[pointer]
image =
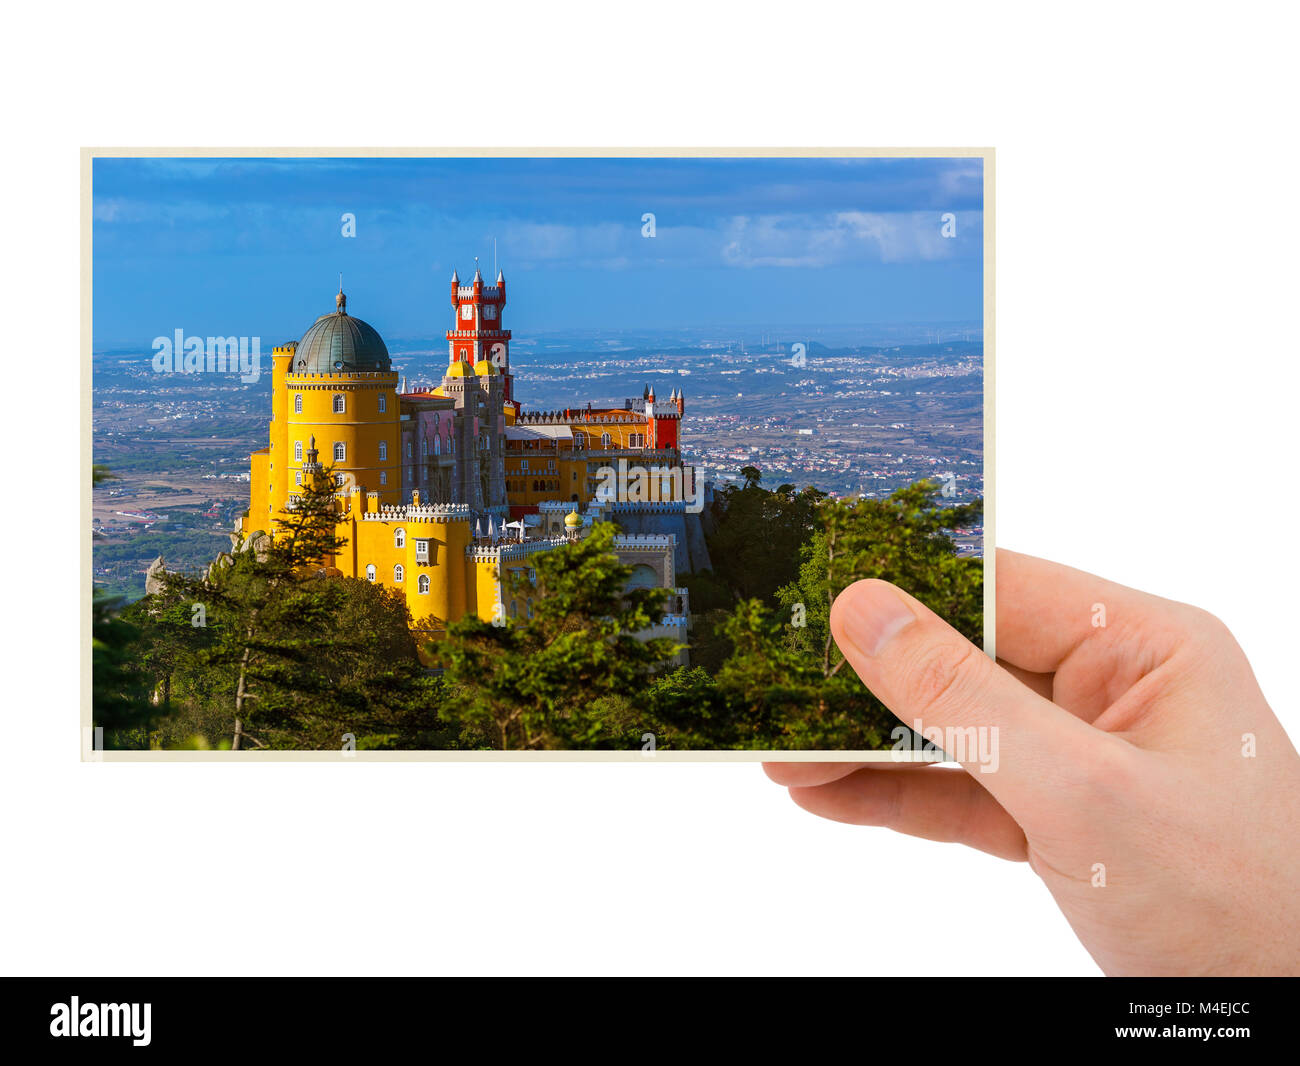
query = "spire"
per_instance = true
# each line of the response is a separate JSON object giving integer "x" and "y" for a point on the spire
{"x": 455, "y": 278}
{"x": 501, "y": 277}
{"x": 478, "y": 276}
{"x": 341, "y": 301}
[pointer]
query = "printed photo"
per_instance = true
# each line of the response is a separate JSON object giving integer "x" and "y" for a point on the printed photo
{"x": 475, "y": 456}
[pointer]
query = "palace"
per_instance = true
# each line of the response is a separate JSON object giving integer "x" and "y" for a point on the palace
{"x": 440, "y": 490}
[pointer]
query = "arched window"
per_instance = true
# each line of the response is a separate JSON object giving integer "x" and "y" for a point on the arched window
{"x": 397, "y": 574}
{"x": 297, "y": 451}
{"x": 297, "y": 403}
{"x": 437, "y": 445}
{"x": 340, "y": 451}
{"x": 338, "y": 480}
{"x": 399, "y": 538}
{"x": 514, "y": 608}
{"x": 383, "y": 449}
{"x": 370, "y": 572}
{"x": 423, "y": 583}
{"x": 297, "y": 477}
{"x": 340, "y": 404}
{"x": 383, "y": 477}
{"x": 424, "y": 448}
{"x": 579, "y": 441}
{"x": 604, "y": 440}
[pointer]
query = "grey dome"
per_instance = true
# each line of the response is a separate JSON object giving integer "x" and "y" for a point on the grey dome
{"x": 340, "y": 344}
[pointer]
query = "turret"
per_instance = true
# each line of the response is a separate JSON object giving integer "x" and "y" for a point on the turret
{"x": 455, "y": 284}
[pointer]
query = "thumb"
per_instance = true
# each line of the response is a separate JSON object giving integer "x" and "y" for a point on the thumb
{"x": 1014, "y": 742}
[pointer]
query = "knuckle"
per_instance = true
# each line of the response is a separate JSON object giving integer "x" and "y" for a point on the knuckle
{"x": 943, "y": 674}
{"x": 1207, "y": 626}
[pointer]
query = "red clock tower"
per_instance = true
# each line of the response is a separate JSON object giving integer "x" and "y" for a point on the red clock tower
{"x": 476, "y": 334}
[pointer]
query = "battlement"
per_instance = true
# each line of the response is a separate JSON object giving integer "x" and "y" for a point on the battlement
{"x": 409, "y": 512}
{"x": 285, "y": 349}
{"x": 658, "y": 409}
{"x": 632, "y": 541}
{"x": 512, "y": 550}
{"x": 657, "y": 507}
{"x": 484, "y": 334}
{"x": 488, "y": 293}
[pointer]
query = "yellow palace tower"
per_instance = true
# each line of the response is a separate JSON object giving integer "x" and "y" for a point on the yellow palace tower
{"x": 395, "y": 459}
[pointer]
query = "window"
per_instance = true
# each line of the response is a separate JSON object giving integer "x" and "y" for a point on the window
{"x": 383, "y": 403}
{"x": 297, "y": 403}
{"x": 579, "y": 441}
{"x": 297, "y": 451}
{"x": 370, "y": 572}
{"x": 338, "y": 480}
{"x": 437, "y": 445}
{"x": 424, "y": 448}
{"x": 604, "y": 440}
{"x": 408, "y": 449}
{"x": 383, "y": 477}
{"x": 421, "y": 550}
{"x": 340, "y": 451}
{"x": 399, "y": 538}
{"x": 397, "y": 574}
{"x": 383, "y": 449}
{"x": 423, "y": 583}
{"x": 297, "y": 477}
{"x": 339, "y": 404}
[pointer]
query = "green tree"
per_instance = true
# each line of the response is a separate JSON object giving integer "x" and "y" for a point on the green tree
{"x": 544, "y": 675}
{"x": 902, "y": 539}
{"x": 757, "y": 535}
{"x": 266, "y": 620}
{"x": 119, "y": 689}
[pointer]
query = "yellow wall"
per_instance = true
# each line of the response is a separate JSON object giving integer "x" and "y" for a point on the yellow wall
{"x": 359, "y": 428}
{"x": 374, "y": 542}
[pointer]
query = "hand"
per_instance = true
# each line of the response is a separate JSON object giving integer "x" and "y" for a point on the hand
{"x": 1139, "y": 770}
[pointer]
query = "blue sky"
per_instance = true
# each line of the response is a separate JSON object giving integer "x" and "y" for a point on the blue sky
{"x": 254, "y": 246}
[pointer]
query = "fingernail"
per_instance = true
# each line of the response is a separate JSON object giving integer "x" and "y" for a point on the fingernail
{"x": 873, "y": 615}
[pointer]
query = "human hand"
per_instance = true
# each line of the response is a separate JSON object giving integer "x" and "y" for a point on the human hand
{"x": 1144, "y": 745}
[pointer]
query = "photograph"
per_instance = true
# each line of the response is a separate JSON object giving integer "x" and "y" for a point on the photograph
{"x": 527, "y": 452}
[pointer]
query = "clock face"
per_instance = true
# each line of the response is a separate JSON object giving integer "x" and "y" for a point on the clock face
{"x": 490, "y": 311}
{"x": 467, "y": 311}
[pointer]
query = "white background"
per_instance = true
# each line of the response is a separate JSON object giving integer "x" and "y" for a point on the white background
{"x": 1146, "y": 329}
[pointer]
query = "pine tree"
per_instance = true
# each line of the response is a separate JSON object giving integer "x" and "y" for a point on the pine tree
{"x": 537, "y": 677}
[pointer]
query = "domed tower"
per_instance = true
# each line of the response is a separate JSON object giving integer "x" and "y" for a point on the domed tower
{"x": 340, "y": 388}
